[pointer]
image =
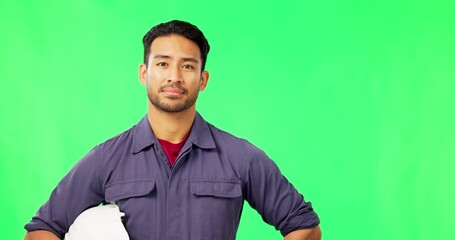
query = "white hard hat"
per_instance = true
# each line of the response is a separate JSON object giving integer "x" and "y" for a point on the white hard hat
{"x": 98, "y": 223}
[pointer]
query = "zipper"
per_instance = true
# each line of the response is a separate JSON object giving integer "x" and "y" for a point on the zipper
{"x": 180, "y": 156}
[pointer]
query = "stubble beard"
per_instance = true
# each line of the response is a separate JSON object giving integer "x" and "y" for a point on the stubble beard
{"x": 172, "y": 106}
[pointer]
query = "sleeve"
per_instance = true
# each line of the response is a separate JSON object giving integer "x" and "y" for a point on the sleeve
{"x": 274, "y": 197}
{"x": 80, "y": 189}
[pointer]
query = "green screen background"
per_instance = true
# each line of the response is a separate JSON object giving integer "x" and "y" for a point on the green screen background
{"x": 354, "y": 100}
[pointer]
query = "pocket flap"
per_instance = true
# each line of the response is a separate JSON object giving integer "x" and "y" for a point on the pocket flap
{"x": 216, "y": 188}
{"x": 127, "y": 189}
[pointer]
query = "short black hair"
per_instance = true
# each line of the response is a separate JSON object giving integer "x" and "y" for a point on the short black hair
{"x": 182, "y": 28}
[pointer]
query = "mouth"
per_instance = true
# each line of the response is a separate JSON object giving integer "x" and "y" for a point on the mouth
{"x": 173, "y": 91}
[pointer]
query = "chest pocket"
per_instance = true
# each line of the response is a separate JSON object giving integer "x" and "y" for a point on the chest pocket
{"x": 216, "y": 188}
{"x": 128, "y": 189}
{"x": 215, "y": 208}
{"x": 137, "y": 199}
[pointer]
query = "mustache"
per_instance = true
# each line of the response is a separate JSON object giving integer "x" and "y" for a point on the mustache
{"x": 173, "y": 85}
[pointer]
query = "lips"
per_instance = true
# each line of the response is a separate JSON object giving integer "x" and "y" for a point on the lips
{"x": 173, "y": 90}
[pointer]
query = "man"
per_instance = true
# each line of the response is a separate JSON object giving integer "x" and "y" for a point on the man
{"x": 174, "y": 175}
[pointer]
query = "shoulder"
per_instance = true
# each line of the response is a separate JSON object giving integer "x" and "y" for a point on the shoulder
{"x": 227, "y": 141}
{"x": 121, "y": 140}
{"x": 112, "y": 150}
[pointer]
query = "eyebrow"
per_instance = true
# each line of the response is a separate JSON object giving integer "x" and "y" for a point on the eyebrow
{"x": 187, "y": 59}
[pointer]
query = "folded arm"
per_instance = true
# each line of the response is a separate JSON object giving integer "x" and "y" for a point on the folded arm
{"x": 40, "y": 235}
{"x": 305, "y": 234}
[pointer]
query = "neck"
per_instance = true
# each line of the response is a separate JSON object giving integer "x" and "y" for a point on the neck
{"x": 171, "y": 127}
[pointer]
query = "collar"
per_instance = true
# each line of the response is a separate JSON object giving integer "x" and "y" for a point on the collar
{"x": 200, "y": 135}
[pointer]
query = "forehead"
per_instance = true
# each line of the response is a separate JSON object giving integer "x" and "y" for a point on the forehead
{"x": 174, "y": 46}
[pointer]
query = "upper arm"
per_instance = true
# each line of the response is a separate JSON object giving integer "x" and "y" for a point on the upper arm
{"x": 77, "y": 191}
{"x": 274, "y": 197}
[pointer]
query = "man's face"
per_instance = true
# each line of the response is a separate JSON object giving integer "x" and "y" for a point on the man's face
{"x": 173, "y": 75}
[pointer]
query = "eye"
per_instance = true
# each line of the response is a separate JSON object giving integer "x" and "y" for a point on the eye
{"x": 188, "y": 67}
{"x": 161, "y": 64}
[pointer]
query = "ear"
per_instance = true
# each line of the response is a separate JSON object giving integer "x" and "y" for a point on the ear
{"x": 143, "y": 73}
{"x": 204, "y": 80}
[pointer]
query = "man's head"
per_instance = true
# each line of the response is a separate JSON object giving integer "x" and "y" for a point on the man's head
{"x": 176, "y": 27}
{"x": 173, "y": 68}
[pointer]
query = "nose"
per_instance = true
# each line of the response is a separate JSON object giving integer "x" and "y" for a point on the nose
{"x": 175, "y": 75}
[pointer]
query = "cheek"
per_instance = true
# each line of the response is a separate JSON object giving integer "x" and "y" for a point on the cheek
{"x": 156, "y": 74}
{"x": 155, "y": 77}
{"x": 192, "y": 79}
